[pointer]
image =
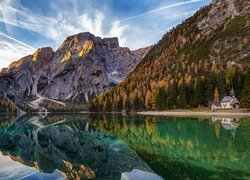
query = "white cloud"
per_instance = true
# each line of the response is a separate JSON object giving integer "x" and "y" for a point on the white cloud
{"x": 92, "y": 24}
{"x": 117, "y": 30}
{"x": 59, "y": 27}
{"x": 11, "y": 51}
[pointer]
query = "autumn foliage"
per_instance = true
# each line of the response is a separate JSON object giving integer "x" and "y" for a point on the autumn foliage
{"x": 183, "y": 70}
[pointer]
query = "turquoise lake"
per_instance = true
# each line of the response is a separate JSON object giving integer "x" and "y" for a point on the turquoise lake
{"x": 115, "y": 147}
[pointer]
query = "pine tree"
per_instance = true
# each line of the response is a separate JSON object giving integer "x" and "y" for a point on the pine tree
{"x": 125, "y": 101}
{"x": 246, "y": 91}
{"x": 154, "y": 97}
{"x": 238, "y": 83}
{"x": 210, "y": 85}
{"x": 173, "y": 95}
{"x": 136, "y": 102}
{"x": 183, "y": 96}
{"x": 216, "y": 95}
{"x": 198, "y": 92}
{"x": 220, "y": 79}
{"x": 148, "y": 100}
{"x": 161, "y": 99}
{"x": 229, "y": 75}
{"x": 117, "y": 105}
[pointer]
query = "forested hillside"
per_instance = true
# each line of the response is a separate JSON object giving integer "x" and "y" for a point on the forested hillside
{"x": 196, "y": 62}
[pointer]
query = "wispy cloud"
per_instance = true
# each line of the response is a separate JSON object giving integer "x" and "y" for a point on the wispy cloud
{"x": 16, "y": 40}
{"x": 157, "y": 10}
{"x": 58, "y": 27}
{"x": 12, "y": 49}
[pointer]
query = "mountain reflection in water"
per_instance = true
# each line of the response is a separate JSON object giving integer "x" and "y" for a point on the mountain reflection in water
{"x": 133, "y": 147}
{"x": 69, "y": 144}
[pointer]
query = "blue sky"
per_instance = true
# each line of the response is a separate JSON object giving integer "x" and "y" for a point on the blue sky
{"x": 26, "y": 25}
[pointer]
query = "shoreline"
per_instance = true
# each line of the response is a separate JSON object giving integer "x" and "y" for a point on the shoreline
{"x": 177, "y": 113}
{"x": 196, "y": 113}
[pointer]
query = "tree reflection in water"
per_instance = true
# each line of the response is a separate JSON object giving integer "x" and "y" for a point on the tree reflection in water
{"x": 180, "y": 148}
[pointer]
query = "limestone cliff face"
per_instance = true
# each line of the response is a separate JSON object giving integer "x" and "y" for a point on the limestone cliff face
{"x": 222, "y": 11}
{"x": 83, "y": 66}
{"x": 225, "y": 21}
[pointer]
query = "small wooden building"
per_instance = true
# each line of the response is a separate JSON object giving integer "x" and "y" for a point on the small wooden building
{"x": 228, "y": 102}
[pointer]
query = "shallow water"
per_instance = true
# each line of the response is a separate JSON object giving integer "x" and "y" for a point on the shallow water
{"x": 115, "y": 147}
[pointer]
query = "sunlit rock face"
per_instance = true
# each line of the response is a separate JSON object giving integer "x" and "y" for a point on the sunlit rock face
{"x": 75, "y": 148}
{"x": 83, "y": 66}
{"x": 88, "y": 65}
{"x": 22, "y": 78}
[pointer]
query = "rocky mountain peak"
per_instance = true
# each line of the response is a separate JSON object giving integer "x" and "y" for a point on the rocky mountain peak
{"x": 76, "y": 41}
{"x": 79, "y": 37}
{"x": 75, "y": 46}
{"x": 111, "y": 42}
{"x": 43, "y": 54}
{"x": 80, "y": 45}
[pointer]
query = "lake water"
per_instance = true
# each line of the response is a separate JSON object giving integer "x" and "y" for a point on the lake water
{"x": 131, "y": 147}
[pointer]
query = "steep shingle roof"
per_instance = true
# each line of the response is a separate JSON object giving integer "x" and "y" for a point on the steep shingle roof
{"x": 227, "y": 99}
